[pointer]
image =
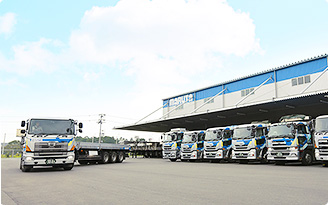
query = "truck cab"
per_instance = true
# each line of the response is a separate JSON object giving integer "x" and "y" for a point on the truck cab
{"x": 48, "y": 142}
{"x": 249, "y": 143}
{"x": 192, "y": 146}
{"x": 218, "y": 143}
{"x": 291, "y": 140}
{"x": 172, "y": 144}
{"x": 321, "y": 139}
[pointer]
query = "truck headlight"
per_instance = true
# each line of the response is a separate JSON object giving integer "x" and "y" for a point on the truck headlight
{"x": 70, "y": 158}
{"x": 28, "y": 159}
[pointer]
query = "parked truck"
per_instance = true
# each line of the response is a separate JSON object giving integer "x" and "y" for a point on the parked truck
{"x": 321, "y": 139}
{"x": 249, "y": 142}
{"x": 172, "y": 143}
{"x": 192, "y": 147}
{"x": 291, "y": 140}
{"x": 51, "y": 142}
{"x": 218, "y": 143}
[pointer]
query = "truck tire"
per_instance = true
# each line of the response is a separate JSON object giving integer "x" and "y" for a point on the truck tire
{"x": 104, "y": 158}
{"x": 307, "y": 158}
{"x": 120, "y": 157}
{"x": 112, "y": 157}
{"x": 25, "y": 168}
{"x": 68, "y": 167}
{"x": 83, "y": 162}
{"x": 173, "y": 160}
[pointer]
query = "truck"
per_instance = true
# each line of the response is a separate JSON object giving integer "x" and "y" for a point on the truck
{"x": 146, "y": 149}
{"x": 249, "y": 143}
{"x": 192, "y": 147}
{"x": 321, "y": 139}
{"x": 172, "y": 144}
{"x": 51, "y": 142}
{"x": 218, "y": 143}
{"x": 291, "y": 140}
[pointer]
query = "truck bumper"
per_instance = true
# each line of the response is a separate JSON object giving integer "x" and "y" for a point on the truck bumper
{"x": 171, "y": 155}
{"x": 213, "y": 155}
{"x": 244, "y": 155}
{"x": 191, "y": 155}
{"x": 31, "y": 160}
{"x": 291, "y": 156}
{"x": 321, "y": 156}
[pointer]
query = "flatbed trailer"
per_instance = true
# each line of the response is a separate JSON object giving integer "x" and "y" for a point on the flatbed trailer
{"x": 87, "y": 152}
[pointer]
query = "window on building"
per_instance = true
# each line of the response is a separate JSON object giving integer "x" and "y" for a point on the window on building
{"x": 247, "y": 92}
{"x": 301, "y": 80}
{"x": 307, "y": 79}
{"x": 208, "y": 100}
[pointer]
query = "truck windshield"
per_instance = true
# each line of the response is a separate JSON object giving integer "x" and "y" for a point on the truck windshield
{"x": 213, "y": 135}
{"x": 51, "y": 127}
{"x": 227, "y": 134}
{"x": 278, "y": 131}
{"x": 189, "y": 138}
{"x": 169, "y": 137}
{"x": 321, "y": 125}
{"x": 242, "y": 133}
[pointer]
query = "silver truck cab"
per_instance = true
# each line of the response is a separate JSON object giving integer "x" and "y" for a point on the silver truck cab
{"x": 172, "y": 143}
{"x": 48, "y": 142}
{"x": 249, "y": 142}
{"x": 218, "y": 143}
{"x": 321, "y": 139}
{"x": 192, "y": 147}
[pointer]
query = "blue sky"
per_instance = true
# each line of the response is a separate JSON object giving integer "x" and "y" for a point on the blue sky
{"x": 78, "y": 59}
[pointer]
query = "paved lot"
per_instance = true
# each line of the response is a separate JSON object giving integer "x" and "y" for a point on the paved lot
{"x": 157, "y": 181}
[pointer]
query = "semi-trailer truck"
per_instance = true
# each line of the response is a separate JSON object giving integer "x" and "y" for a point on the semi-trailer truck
{"x": 291, "y": 140}
{"x": 192, "y": 147}
{"x": 249, "y": 142}
{"x": 218, "y": 143}
{"x": 321, "y": 139}
{"x": 172, "y": 144}
{"x": 51, "y": 142}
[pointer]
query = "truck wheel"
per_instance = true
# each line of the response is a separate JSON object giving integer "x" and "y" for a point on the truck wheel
{"x": 68, "y": 167}
{"x": 120, "y": 157}
{"x": 112, "y": 157}
{"x": 25, "y": 168}
{"x": 173, "y": 160}
{"x": 83, "y": 162}
{"x": 104, "y": 158}
{"x": 307, "y": 158}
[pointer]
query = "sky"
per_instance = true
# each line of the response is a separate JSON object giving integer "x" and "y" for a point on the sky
{"x": 78, "y": 59}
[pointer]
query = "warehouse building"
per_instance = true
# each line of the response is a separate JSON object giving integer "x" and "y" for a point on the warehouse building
{"x": 297, "y": 88}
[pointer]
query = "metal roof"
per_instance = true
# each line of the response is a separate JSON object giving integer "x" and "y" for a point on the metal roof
{"x": 255, "y": 74}
{"x": 313, "y": 105}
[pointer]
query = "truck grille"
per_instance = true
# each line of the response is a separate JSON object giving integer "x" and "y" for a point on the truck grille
{"x": 51, "y": 147}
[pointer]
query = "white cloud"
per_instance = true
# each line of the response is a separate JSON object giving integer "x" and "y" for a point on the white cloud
{"x": 7, "y": 23}
{"x": 164, "y": 43}
{"x": 165, "y": 46}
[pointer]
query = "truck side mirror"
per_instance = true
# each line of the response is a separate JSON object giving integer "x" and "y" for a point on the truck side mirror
{"x": 80, "y": 125}
{"x": 23, "y": 124}
{"x": 22, "y": 131}
{"x": 80, "y": 130}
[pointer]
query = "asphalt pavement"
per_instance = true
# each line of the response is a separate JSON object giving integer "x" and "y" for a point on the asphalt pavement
{"x": 158, "y": 181}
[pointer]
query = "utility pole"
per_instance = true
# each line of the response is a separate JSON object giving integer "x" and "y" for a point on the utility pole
{"x": 100, "y": 121}
{"x": 3, "y": 145}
